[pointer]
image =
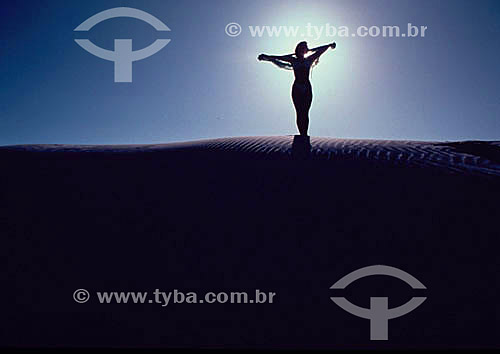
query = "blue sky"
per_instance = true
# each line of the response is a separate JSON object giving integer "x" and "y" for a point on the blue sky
{"x": 205, "y": 84}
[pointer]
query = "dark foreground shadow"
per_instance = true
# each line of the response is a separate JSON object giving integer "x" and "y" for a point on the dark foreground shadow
{"x": 203, "y": 221}
{"x": 301, "y": 147}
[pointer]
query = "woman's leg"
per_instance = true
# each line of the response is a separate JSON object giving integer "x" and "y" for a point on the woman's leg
{"x": 303, "y": 122}
{"x": 302, "y": 98}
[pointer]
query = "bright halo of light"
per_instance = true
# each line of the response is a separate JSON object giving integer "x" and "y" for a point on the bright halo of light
{"x": 332, "y": 78}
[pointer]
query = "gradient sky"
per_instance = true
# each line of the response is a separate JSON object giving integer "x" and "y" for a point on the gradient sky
{"x": 205, "y": 84}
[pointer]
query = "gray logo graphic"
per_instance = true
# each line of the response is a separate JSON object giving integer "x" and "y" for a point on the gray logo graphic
{"x": 123, "y": 56}
{"x": 379, "y": 312}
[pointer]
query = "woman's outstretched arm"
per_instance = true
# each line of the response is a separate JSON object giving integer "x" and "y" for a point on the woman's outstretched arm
{"x": 283, "y": 64}
{"x": 320, "y": 50}
{"x": 287, "y": 58}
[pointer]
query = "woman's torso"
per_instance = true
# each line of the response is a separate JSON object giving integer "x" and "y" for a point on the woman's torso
{"x": 301, "y": 69}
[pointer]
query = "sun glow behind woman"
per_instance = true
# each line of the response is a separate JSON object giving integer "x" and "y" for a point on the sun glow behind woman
{"x": 286, "y": 28}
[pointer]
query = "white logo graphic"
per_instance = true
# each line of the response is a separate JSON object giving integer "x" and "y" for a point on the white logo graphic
{"x": 123, "y": 56}
{"x": 81, "y": 296}
{"x": 379, "y": 312}
{"x": 233, "y": 29}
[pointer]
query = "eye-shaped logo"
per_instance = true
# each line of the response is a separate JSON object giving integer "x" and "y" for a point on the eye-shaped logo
{"x": 379, "y": 312}
{"x": 123, "y": 56}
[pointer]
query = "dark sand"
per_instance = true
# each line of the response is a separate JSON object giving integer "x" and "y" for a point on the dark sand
{"x": 240, "y": 214}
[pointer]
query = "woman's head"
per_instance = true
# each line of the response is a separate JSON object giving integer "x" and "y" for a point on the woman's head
{"x": 301, "y": 49}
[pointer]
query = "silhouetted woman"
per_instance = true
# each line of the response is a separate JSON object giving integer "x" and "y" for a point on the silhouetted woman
{"x": 301, "y": 89}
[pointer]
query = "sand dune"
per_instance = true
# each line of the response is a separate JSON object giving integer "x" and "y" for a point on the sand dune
{"x": 463, "y": 157}
{"x": 239, "y": 214}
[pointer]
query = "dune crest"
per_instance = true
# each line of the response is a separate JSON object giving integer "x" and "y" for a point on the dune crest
{"x": 475, "y": 157}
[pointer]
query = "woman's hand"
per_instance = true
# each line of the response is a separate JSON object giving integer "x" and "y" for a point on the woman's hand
{"x": 333, "y": 45}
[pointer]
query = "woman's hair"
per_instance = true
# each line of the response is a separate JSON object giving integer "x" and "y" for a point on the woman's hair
{"x": 300, "y": 48}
